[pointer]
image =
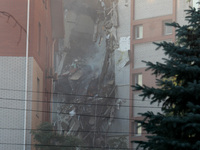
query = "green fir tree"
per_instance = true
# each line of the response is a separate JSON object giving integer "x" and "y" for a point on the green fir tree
{"x": 178, "y": 126}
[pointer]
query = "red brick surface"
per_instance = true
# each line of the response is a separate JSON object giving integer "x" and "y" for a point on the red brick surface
{"x": 10, "y": 33}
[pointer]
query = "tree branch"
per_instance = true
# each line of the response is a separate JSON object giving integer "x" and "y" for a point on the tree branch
{"x": 9, "y": 16}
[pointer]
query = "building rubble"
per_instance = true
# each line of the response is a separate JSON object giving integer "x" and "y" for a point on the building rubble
{"x": 84, "y": 63}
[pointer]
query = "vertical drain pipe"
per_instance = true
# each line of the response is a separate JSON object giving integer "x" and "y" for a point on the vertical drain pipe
{"x": 26, "y": 74}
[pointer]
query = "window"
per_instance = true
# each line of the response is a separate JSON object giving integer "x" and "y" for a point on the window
{"x": 167, "y": 30}
{"x": 126, "y": 3}
{"x": 138, "y": 32}
{"x": 138, "y": 79}
{"x": 39, "y": 38}
{"x": 137, "y": 129}
{"x": 47, "y": 52}
{"x": 195, "y": 4}
{"x": 38, "y": 97}
{"x": 45, "y": 3}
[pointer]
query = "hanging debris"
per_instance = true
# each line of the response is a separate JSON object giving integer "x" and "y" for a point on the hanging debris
{"x": 86, "y": 71}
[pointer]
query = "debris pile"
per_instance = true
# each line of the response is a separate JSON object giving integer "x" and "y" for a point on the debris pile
{"x": 86, "y": 71}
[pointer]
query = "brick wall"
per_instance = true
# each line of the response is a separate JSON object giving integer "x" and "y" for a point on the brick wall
{"x": 11, "y": 44}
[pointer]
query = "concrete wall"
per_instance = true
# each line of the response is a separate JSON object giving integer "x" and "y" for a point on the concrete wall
{"x": 12, "y": 74}
{"x": 12, "y": 86}
{"x": 152, "y": 8}
{"x": 124, "y": 18}
{"x": 181, "y": 6}
{"x": 12, "y": 104}
{"x": 122, "y": 70}
{"x": 141, "y": 106}
{"x": 146, "y": 52}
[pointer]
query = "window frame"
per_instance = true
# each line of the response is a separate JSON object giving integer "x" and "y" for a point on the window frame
{"x": 166, "y": 27}
{"x": 39, "y": 37}
{"x": 138, "y": 77}
{"x": 45, "y": 3}
{"x": 138, "y": 32}
{"x": 137, "y": 129}
{"x": 38, "y": 97}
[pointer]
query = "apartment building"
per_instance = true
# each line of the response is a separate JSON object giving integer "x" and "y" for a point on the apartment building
{"x": 148, "y": 18}
{"x": 25, "y": 102}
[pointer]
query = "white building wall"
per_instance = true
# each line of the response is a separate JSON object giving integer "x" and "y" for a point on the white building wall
{"x": 147, "y": 52}
{"x": 29, "y": 103}
{"x": 12, "y": 83}
{"x": 122, "y": 70}
{"x": 124, "y": 18}
{"x": 141, "y": 106}
{"x": 152, "y": 8}
{"x": 181, "y": 6}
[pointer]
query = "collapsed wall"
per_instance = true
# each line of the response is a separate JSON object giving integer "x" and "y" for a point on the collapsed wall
{"x": 85, "y": 102}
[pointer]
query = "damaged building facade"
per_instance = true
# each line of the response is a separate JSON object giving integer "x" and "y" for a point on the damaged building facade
{"x": 148, "y": 18}
{"x": 91, "y": 50}
{"x": 92, "y": 64}
{"x": 120, "y": 127}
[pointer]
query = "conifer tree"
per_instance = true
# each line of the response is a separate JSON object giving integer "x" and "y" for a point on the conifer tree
{"x": 177, "y": 127}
